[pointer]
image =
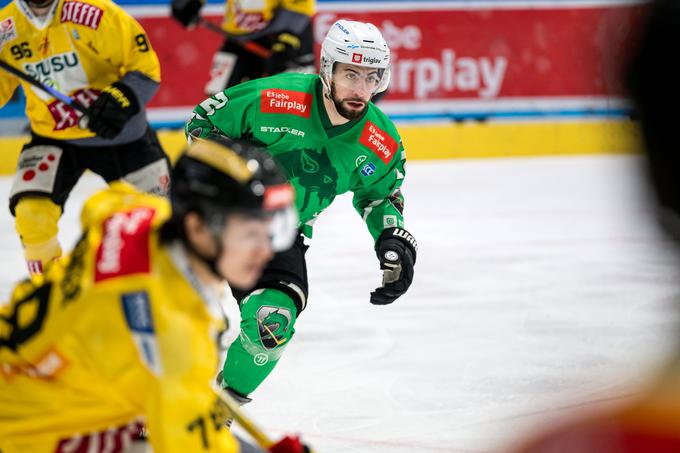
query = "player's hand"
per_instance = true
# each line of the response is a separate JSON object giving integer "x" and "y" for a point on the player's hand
{"x": 290, "y": 444}
{"x": 111, "y": 110}
{"x": 396, "y": 249}
{"x": 186, "y": 12}
{"x": 283, "y": 49}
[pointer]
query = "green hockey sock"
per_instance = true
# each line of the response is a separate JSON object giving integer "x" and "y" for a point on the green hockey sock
{"x": 267, "y": 325}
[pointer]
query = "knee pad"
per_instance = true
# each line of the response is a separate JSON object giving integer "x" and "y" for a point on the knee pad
{"x": 267, "y": 322}
{"x": 37, "y": 221}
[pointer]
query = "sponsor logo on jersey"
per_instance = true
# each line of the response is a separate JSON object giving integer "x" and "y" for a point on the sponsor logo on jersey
{"x": 124, "y": 248}
{"x": 378, "y": 141}
{"x": 286, "y": 101}
{"x": 368, "y": 169}
{"x": 65, "y": 116}
{"x": 288, "y": 130}
{"x": 137, "y": 310}
{"x": 46, "y": 69}
{"x": 389, "y": 221}
{"x": 48, "y": 365}
{"x": 8, "y": 31}
{"x": 250, "y": 21}
{"x": 81, "y": 13}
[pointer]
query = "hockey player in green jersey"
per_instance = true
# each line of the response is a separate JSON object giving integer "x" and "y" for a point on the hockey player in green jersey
{"x": 330, "y": 139}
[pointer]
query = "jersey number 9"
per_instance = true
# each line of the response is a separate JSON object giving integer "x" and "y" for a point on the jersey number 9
{"x": 142, "y": 42}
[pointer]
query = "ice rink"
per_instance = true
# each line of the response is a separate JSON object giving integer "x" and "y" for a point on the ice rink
{"x": 541, "y": 286}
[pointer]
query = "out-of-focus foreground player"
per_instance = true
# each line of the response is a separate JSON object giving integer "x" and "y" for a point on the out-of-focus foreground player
{"x": 652, "y": 422}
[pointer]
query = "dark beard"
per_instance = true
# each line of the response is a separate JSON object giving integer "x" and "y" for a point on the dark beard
{"x": 345, "y": 113}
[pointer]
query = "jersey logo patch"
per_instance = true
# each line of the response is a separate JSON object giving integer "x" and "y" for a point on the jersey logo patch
{"x": 65, "y": 116}
{"x": 285, "y": 101}
{"x": 81, "y": 13}
{"x": 368, "y": 169}
{"x": 138, "y": 312}
{"x": 137, "y": 309}
{"x": 124, "y": 248}
{"x": 8, "y": 31}
{"x": 378, "y": 141}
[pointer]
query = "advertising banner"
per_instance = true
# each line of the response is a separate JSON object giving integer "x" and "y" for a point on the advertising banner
{"x": 455, "y": 60}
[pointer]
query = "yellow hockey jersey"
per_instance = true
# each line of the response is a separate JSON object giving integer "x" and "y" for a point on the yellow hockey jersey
{"x": 249, "y": 16}
{"x": 79, "y": 48}
{"x": 114, "y": 332}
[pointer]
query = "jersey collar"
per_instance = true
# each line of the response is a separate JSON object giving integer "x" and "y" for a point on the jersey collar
{"x": 178, "y": 255}
{"x": 38, "y": 22}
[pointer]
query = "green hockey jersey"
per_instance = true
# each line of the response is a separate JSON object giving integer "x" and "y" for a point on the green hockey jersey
{"x": 286, "y": 115}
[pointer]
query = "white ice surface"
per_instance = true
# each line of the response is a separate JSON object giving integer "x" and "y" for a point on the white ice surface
{"x": 541, "y": 285}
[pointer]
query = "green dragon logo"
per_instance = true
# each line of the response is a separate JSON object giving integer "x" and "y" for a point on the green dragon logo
{"x": 314, "y": 173}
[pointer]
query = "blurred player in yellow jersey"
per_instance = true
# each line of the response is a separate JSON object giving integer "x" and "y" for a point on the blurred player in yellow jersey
{"x": 122, "y": 330}
{"x": 96, "y": 53}
{"x": 283, "y": 26}
{"x": 651, "y": 423}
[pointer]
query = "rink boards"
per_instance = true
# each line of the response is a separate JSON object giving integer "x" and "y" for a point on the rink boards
{"x": 462, "y": 140}
{"x": 480, "y": 78}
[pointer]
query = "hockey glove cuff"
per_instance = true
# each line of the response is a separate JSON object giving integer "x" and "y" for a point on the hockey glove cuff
{"x": 396, "y": 249}
{"x": 108, "y": 114}
{"x": 186, "y": 12}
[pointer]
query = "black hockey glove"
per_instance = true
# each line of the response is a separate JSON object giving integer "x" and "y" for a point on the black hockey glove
{"x": 284, "y": 49}
{"x": 111, "y": 110}
{"x": 186, "y": 12}
{"x": 396, "y": 249}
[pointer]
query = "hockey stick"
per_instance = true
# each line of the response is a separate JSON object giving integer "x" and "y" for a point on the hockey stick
{"x": 250, "y": 46}
{"x": 246, "y": 423}
{"x": 47, "y": 89}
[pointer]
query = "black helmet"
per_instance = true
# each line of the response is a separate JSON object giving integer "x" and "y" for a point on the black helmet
{"x": 653, "y": 88}
{"x": 216, "y": 176}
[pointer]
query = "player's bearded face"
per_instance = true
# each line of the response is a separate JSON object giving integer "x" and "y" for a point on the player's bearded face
{"x": 352, "y": 87}
{"x": 350, "y": 107}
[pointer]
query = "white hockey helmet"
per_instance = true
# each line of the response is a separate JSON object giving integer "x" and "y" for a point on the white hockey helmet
{"x": 356, "y": 43}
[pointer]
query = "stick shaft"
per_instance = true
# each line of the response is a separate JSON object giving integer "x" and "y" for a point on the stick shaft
{"x": 47, "y": 89}
{"x": 246, "y": 423}
{"x": 250, "y": 46}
